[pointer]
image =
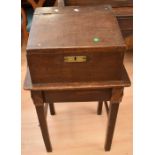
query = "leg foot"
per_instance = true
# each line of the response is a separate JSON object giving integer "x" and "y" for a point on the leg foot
{"x": 52, "y": 109}
{"x": 99, "y": 108}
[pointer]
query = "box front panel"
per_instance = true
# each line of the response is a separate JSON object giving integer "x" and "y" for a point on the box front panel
{"x": 86, "y": 66}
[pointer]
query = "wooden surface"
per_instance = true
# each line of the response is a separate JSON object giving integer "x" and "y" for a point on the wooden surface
{"x": 58, "y": 34}
{"x": 99, "y": 66}
{"x": 68, "y": 137}
{"x": 118, "y": 11}
{"x": 48, "y": 26}
{"x": 114, "y": 3}
{"x": 123, "y": 10}
{"x": 124, "y": 82}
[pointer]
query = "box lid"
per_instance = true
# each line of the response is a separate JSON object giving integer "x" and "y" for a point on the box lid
{"x": 74, "y": 28}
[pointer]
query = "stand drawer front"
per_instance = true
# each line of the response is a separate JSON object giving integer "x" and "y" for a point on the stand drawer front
{"x": 77, "y": 95}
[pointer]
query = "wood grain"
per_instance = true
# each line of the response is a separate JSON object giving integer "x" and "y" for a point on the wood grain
{"x": 78, "y": 31}
{"x": 114, "y": 3}
{"x": 125, "y": 81}
{"x": 77, "y": 129}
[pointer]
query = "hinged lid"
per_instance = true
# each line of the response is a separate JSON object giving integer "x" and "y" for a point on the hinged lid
{"x": 74, "y": 28}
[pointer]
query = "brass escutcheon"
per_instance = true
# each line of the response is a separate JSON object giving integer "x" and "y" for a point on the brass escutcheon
{"x": 75, "y": 59}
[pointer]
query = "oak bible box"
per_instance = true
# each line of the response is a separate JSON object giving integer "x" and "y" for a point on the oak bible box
{"x": 75, "y": 44}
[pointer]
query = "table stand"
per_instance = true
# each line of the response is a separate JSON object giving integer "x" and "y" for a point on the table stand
{"x": 92, "y": 91}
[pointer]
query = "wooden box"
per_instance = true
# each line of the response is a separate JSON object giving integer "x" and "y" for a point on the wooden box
{"x": 75, "y": 44}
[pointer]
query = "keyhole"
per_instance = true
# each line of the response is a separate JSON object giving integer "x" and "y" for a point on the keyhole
{"x": 75, "y": 58}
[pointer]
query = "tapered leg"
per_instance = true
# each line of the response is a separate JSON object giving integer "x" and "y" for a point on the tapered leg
{"x": 43, "y": 127}
{"x": 52, "y": 109}
{"x": 111, "y": 124}
{"x": 99, "y": 108}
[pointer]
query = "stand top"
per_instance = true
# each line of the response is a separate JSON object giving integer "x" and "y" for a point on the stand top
{"x": 125, "y": 82}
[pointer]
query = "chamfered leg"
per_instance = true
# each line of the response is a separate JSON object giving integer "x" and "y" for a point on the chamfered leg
{"x": 52, "y": 108}
{"x": 99, "y": 108}
{"x": 113, "y": 110}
